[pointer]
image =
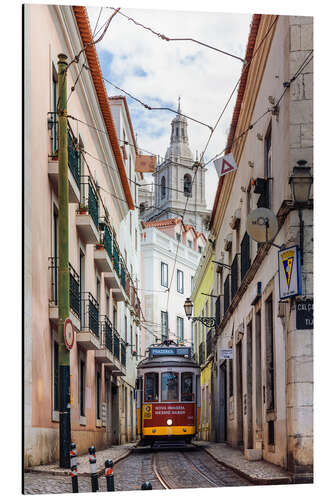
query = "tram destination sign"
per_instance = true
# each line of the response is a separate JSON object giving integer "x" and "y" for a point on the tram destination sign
{"x": 169, "y": 351}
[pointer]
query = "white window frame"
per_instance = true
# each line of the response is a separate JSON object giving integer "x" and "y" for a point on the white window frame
{"x": 180, "y": 282}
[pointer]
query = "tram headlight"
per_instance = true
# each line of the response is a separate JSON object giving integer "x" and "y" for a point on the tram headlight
{"x": 169, "y": 421}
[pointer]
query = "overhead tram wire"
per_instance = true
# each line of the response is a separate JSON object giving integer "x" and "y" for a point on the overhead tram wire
{"x": 150, "y": 108}
{"x": 210, "y": 136}
{"x": 168, "y": 39}
{"x": 306, "y": 61}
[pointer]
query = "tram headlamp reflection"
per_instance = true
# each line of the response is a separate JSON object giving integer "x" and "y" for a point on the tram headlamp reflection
{"x": 169, "y": 421}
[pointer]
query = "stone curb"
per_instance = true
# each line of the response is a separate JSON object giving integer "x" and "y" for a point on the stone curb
{"x": 67, "y": 472}
{"x": 254, "y": 479}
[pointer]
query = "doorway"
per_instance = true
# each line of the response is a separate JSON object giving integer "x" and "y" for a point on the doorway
{"x": 223, "y": 404}
{"x": 258, "y": 377}
{"x": 249, "y": 376}
{"x": 114, "y": 413}
{"x": 239, "y": 358}
{"x": 108, "y": 411}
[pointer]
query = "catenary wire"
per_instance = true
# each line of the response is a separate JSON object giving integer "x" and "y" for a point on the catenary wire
{"x": 151, "y": 108}
{"x": 168, "y": 39}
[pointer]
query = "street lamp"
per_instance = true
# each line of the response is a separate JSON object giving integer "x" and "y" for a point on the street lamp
{"x": 300, "y": 184}
{"x": 210, "y": 322}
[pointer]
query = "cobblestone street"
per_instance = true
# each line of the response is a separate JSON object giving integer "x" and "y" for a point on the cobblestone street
{"x": 176, "y": 469}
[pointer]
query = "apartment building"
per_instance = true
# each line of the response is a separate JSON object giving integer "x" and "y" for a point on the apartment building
{"x": 264, "y": 394}
{"x": 161, "y": 241}
{"x": 101, "y": 202}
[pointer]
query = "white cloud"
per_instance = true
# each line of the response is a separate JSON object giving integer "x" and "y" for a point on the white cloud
{"x": 202, "y": 77}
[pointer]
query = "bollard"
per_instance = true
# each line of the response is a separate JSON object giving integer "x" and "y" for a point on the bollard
{"x": 146, "y": 486}
{"x": 92, "y": 461}
{"x": 109, "y": 475}
{"x": 73, "y": 458}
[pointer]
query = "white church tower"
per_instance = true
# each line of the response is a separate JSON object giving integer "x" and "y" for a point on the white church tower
{"x": 176, "y": 180}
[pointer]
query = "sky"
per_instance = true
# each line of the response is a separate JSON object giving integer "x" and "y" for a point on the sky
{"x": 157, "y": 72}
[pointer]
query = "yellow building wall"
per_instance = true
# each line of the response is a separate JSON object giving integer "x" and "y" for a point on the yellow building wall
{"x": 199, "y": 334}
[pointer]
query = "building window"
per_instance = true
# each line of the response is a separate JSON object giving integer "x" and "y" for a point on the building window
{"x": 164, "y": 325}
{"x": 126, "y": 329}
{"x": 56, "y": 392}
{"x": 114, "y": 318}
{"x": 270, "y": 386}
{"x": 131, "y": 337}
{"x": 180, "y": 329}
{"x": 192, "y": 283}
{"x": 187, "y": 186}
{"x": 98, "y": 395}
{"x": 54, "y": 136}
{"x": 245, "y": 255}
{"x": 180, "y": 281}
{"x": 226, "y": 292}
{"x": 163, "y": 188}
{"x": 265, "y": 198}
{"x": 199, "y": 249}
{"x": 164, "y": 274}
{"x": 151, "y": 387}
{"x": 231, "y": 377}
{"x": 189, "y": 243}
{"x": 82, "y": 387}
{"x": 136, "y": 240}
{"x": 178, "y": 236}
{"x": 234, "y": 276}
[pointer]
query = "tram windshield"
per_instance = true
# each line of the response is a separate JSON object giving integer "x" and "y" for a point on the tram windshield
{"x": 151, "y": 387}
{"x": 187, "y": 387}
{"x": 169, "y": 384}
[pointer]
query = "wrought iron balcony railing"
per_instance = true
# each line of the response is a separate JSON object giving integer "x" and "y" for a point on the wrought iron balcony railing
{"x": 107, "y": 334}
{"x": 89, "y": 198}
{"x": 74, "y": 286}
{"x": 123, "y": 352}
{"x": 116, "y": 340}
{"x": 89, "y": 313}
{"x": 74, "y": 156}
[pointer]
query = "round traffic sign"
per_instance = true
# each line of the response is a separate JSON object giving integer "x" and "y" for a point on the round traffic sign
{"x": 68, "y": 333}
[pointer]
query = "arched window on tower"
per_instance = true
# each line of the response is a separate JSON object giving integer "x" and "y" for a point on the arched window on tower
{"x": 163, "y": 189}
{"x": 187, "y": 185}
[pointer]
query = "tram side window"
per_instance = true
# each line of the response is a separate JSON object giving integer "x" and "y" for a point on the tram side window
{"x": 169, "y": 386}
{"x": 187, "y": 387}
{"x": 151, "y": 387}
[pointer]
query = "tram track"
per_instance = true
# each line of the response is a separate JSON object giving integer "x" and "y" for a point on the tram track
{"x": 183, "y": 469}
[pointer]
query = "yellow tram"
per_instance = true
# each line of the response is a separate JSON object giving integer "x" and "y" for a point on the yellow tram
{"x": 167, "y": 395}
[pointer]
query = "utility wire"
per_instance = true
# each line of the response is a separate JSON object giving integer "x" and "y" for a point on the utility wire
{"x": 210, "y": 136}
{"x": 306, "y": 61}
{"x": 99, "y": 15}
{"x": 151, "y": 108}
{"x": 168, "y": 39}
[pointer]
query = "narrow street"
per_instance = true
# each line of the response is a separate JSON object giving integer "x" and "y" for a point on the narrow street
{"x": 166, "y": 469}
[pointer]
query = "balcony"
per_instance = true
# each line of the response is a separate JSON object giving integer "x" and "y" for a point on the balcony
{"x": 116, "y": 279}
{"x": 87, "y": 214}
{"x": 118, "y": 352}
{"x": 89, "y": 335}
{"x": 74, "y": 294}
{"x": 74, "y": 163}
{"x": 103, "y": 250}
{"x": 106, "y": 353}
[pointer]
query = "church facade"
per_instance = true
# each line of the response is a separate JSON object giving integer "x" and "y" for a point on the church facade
{"x": 179, "y": 179}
